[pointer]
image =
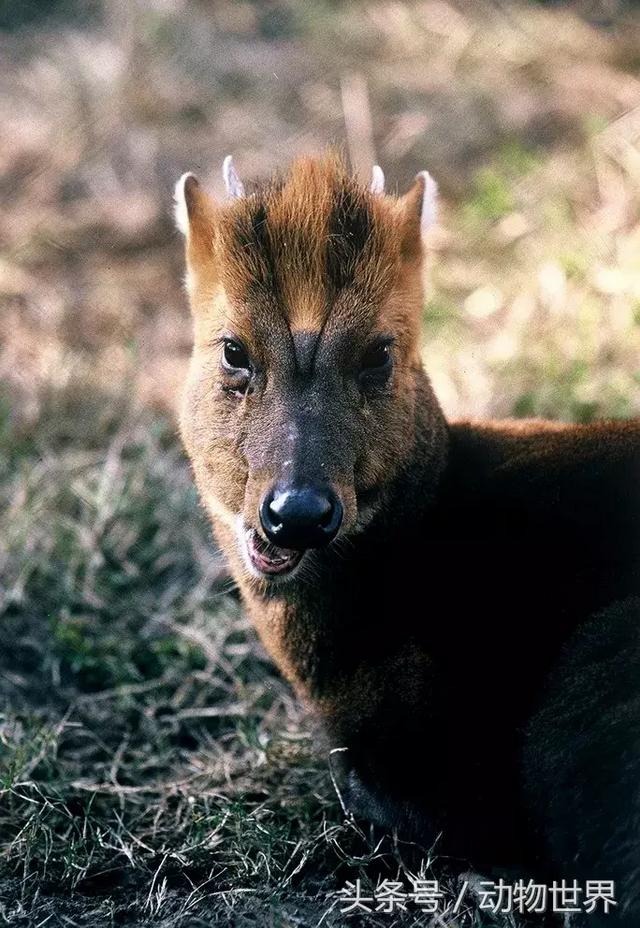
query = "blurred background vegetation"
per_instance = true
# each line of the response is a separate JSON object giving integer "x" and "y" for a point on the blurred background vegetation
{"x": 153, "y": 767}
{"x": 525, "y": 114}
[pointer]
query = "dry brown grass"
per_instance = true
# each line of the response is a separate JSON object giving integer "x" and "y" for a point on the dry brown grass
{"x": 526, "y": 116}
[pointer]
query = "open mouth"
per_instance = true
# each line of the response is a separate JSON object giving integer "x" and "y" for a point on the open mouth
{"x": 268, "y": 559}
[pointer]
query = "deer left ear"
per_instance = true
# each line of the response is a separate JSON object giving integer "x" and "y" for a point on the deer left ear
{"x": 192, "y": 205}
{"x": 418, "y": 208}
{"x": 195, "y": 218}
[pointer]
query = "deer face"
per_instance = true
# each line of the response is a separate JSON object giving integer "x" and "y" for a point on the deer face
{"x": 300, "y": 402}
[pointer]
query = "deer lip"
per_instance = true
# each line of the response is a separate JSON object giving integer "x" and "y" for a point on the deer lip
{"x": 268, "y": 558}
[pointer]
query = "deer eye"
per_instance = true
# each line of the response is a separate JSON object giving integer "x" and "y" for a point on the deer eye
{"x": 234, "y": 356}
{"x": 377, "y": 358}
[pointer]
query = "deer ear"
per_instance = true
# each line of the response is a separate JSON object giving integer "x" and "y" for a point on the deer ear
{"x": 195, "y": 218}
{"x": 418, "y": 208}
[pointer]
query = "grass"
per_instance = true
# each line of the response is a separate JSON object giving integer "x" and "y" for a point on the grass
{"x": 143, "y": 726}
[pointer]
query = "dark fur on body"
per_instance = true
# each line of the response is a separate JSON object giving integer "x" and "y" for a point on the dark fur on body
{"x": 471, "y": 636}
{"x": 430, "y": 684}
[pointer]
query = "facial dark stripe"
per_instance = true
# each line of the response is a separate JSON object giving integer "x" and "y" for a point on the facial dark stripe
{"x": 349, "y": 229}
{"x": 253, "y": 241}
{"x": 305, "y": 345}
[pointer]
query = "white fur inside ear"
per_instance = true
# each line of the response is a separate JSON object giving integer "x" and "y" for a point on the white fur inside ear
{"x": 429, "y": 211}
{"x": 377, "y": 180}
{"x": 180, "y": 205}
{"x": 233, "y": 184}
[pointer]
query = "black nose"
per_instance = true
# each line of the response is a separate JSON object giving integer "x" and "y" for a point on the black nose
{"x": 300, "y": 517}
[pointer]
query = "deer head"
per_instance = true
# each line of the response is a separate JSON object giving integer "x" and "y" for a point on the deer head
{"x": 300, "y": 405}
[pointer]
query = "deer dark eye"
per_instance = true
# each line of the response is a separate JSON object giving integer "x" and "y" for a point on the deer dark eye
{"x": 377, "y": 358}
{"x": 234, "y": 356}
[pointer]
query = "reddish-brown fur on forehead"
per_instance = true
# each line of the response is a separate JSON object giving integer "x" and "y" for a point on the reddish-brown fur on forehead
{"x": 302, "y": 242}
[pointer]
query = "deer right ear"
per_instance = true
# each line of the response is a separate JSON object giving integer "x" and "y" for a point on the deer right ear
{"x": 418, "y": 208}
{"x": 195, "y": 218}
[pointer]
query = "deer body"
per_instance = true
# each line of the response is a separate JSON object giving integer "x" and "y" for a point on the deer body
{"x": 420, "y": 583}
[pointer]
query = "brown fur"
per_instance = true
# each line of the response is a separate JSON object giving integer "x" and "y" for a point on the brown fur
{"x": 470, "y": 552}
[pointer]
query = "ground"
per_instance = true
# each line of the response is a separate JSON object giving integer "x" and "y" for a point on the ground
{"x": 154, "y": 768}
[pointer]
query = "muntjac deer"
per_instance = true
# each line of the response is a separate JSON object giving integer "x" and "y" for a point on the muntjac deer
{"x": 454, "y": 599}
